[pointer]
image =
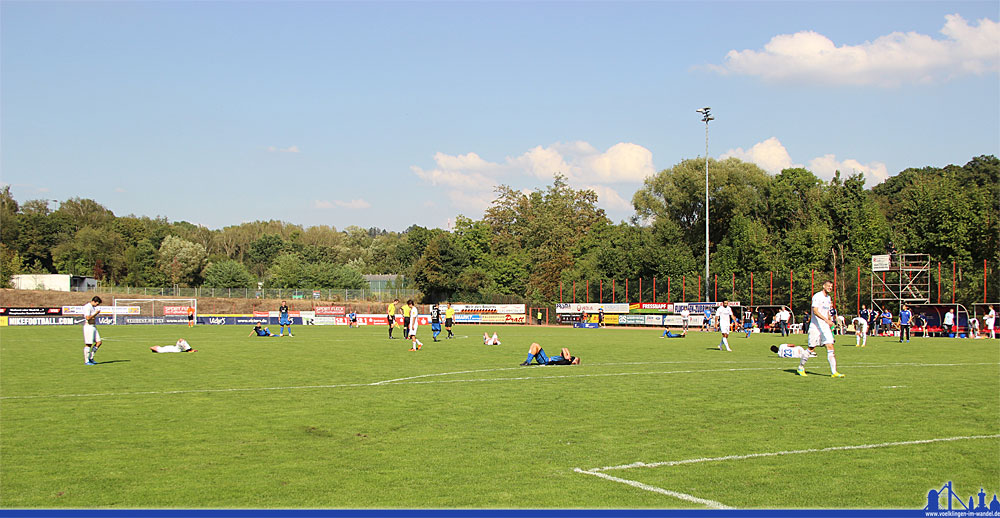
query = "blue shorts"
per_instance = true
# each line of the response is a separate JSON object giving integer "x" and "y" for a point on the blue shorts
{"x": 436, "y": 327}
{"x": 284, "y": 321}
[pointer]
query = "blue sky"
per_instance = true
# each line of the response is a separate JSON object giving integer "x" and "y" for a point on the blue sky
{"x": 392, "y": 114}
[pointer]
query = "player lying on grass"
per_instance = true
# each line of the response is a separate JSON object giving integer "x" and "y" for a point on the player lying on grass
{"x": 668, "y": 334}
{"x": 793, "y": 351}
{"x": 536, "y": 353}
{"x": 260, "y": 330}
{"x": 488, "y": 340}
{"x": 180, "y": 347}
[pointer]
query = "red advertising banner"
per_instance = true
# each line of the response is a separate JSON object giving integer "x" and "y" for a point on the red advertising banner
{"x": 260, "y": 314}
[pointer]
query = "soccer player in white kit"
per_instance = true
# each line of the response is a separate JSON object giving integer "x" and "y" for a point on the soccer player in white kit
{"x": 417, "y": 344}
{"x": 990, "y": 320}
{"x": 725, "y": 314}
{"x": 180, "y": 347}
{"x": 820, "y": 326}
{"x": 793, "y": 351}
{"x": 91, "y": 338}
{"x": 860, "y": 331}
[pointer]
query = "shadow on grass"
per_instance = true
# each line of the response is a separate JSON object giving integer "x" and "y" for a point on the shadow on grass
{"x": 111, "y": 361}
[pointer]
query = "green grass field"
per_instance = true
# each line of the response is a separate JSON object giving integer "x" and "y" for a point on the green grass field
{"x": 345, "y": 418}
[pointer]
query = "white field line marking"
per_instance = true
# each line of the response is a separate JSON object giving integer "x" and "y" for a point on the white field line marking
{"x": 411, "y": 380}
{"x": 790, "y": 452}
{"x": 598, "y": 472}
{"x": 683, "y": 496}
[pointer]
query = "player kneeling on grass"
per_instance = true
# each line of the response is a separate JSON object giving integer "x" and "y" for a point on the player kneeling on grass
{"x": 793, "y": 351}
{"x": 488, "y": 340}
{"x": 260, "y": 330}
{"x": 536, "y": 353}
{"x": 180, "y": 347}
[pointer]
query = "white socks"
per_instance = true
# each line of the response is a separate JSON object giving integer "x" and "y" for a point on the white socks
{"x": 86, "y": 353}
{"x": 833, "y": 361}
{"x": 725, "y": 342}
{"x": 802, "y": 362}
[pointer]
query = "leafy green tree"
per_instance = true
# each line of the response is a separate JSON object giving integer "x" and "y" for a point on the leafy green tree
{"x": 264, "y": 250}
{"x": 11, "y": 264}
{"x": 228, "y": 274}
{"x": 181, "y": 261}
{"x": 86, "y": 212}
{"x": 96, "y": 252}
{"x": 141, "y": 268}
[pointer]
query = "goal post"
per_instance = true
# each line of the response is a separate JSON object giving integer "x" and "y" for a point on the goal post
{"x": 154, "y": 311}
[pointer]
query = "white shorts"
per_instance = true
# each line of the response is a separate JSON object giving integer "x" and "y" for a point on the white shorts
{"x": 90, "y": 334}
{"x": 820, "y": 334}
{"x": 413, "y": 331}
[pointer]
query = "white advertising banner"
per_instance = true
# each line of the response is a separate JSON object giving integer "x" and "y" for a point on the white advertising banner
{"x": 567, "y": 307}
{"x": 489, "y": 308}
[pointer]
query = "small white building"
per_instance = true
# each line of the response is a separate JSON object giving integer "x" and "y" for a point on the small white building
{"x": 54, "y": 282}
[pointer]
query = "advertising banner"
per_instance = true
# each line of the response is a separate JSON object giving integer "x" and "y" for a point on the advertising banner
{"x": 566, "y": 307}
{"x": 30, "y": 312}
{"x": 41, "y": 321}
{"x": 175, "y": 310}
{"x": 261, "y": 314}
{"x": 699, "y": 307}
{"x": 229, "y": 320}
{"x": 105, "y": 310}
{"x": 323, "y": 320}
{"x": 650, "y": 307}
{"x": 632, "y": 320}
{"x": 568, "y": 319}
{"x": 586, "y": 326}
{"x": 502, "y": 319}
{"x": 330, "y": 310}
{"x": 489, "y": 308}
{"x": 466, "y": 318}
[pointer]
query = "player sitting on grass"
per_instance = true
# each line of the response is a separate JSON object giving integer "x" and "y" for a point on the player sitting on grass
{"x": 260, "y": 330}
{"x": 536, "y": 353}
{"x": 793, "y": 351}
{"x": 180, "y": 347}
{"x": 668, "y": 334}
{"x": 488, "y": 340}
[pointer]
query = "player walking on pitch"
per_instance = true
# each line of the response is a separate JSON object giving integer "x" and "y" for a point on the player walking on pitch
{"x": 793, "y": 351}
{"x": 91, "y": 338}
{"x": 725, "y": 314}
{"x": 449, "y": 320}
{"x": 820, "y": 332}
{"x": 391, "y": 315}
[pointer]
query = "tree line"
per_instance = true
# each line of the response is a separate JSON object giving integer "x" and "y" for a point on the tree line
{"x": 530, "y": 246}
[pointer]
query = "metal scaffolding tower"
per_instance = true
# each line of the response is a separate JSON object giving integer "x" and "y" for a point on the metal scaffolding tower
{"x": 899, "y": 279}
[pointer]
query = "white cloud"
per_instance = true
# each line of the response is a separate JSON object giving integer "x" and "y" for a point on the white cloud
{"x": 353, "y": 204}
{"x": 826, "y": 165}
{"x": 289, "y": 149}
{"x": 470, "y": 179}
{"x": 43, "y": 189}
{"x": 609, "y": 198}
{"x": 889, "y": 60}
{"x": 120, "y": 189}
{"x": 770, "y": 155}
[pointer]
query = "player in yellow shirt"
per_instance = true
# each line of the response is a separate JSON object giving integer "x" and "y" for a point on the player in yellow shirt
{"x": 449, "y": 320}
{"x": 391, "y": 313}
